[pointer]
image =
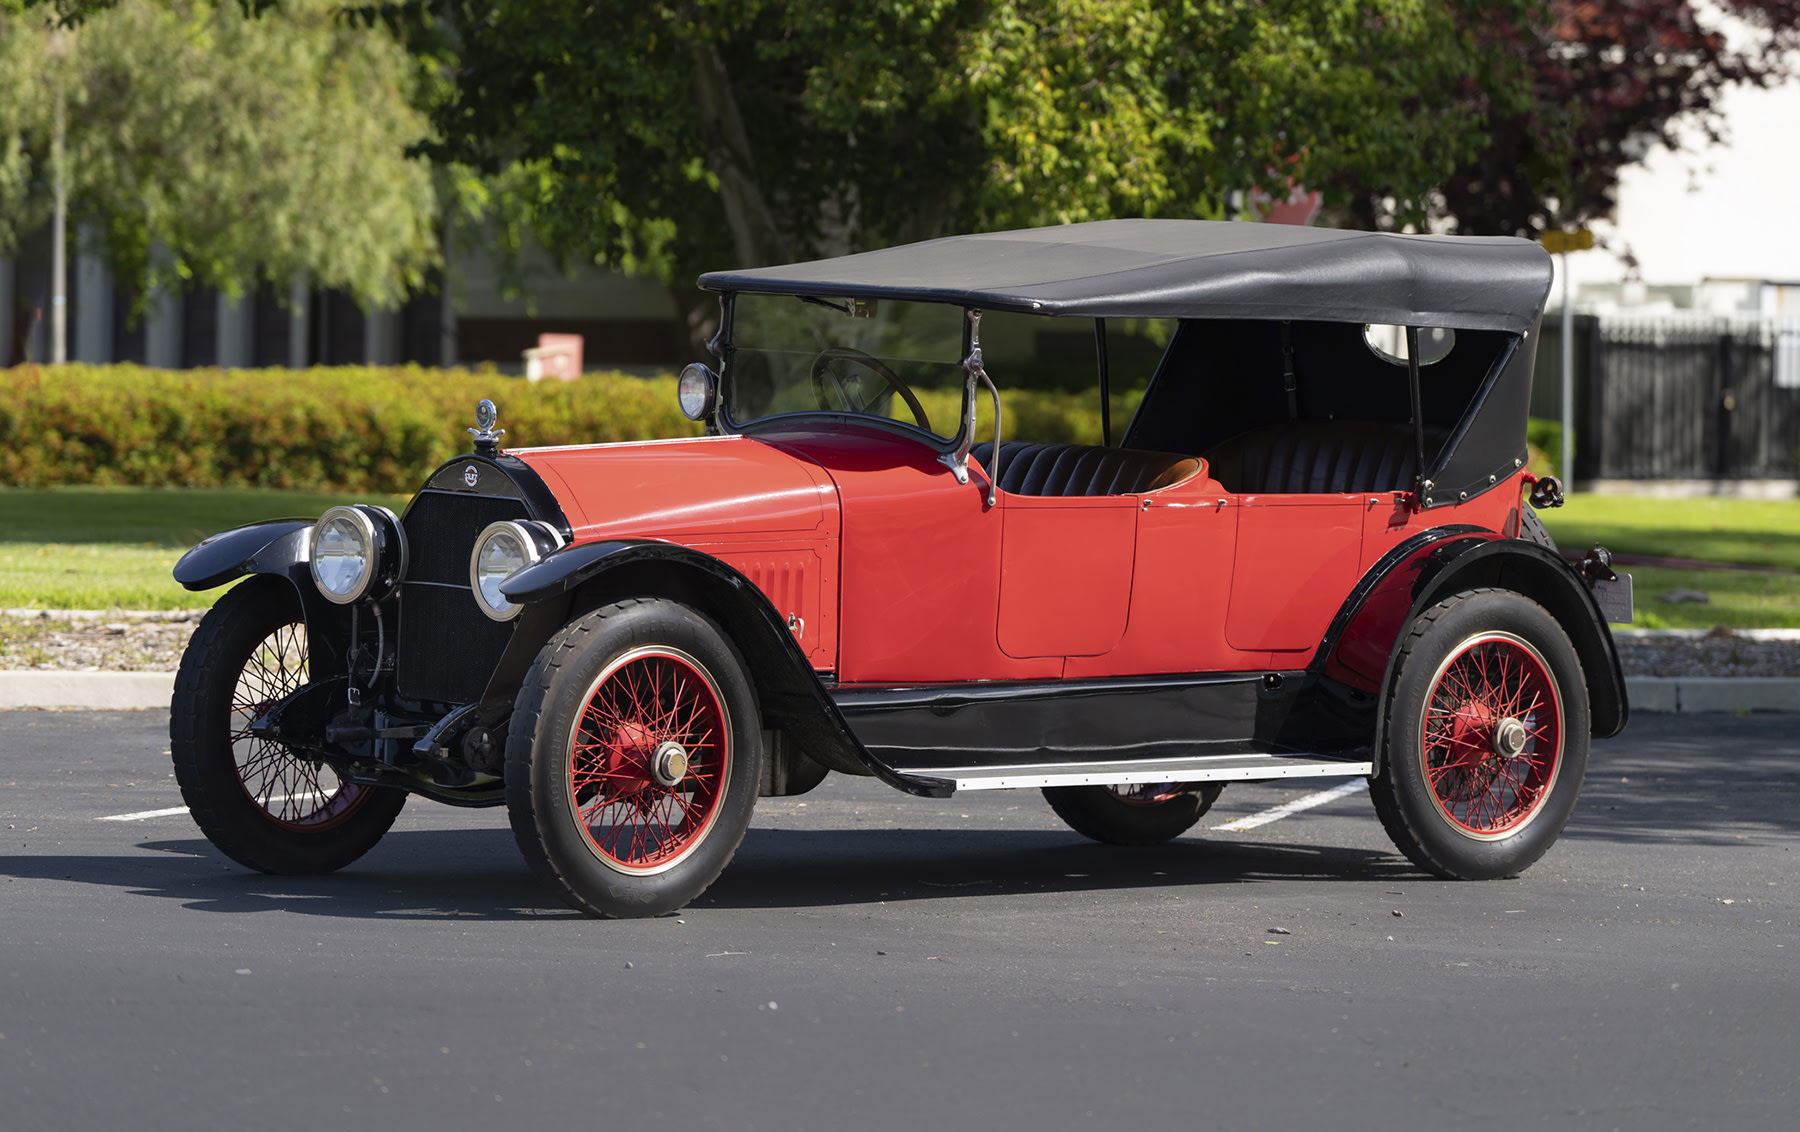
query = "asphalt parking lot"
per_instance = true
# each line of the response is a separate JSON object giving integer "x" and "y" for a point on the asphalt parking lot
{"x": 875, "y": 961}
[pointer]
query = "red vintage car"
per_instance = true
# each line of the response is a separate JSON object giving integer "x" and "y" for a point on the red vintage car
{"x": 1309, "y": 553}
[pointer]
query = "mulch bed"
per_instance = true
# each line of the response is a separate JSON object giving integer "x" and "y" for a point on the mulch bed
{"x": 89, "y": 642}
{"x": 1719, "y": 653}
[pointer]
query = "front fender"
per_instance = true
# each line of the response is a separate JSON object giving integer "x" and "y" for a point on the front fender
{"x": 261, "y": 548}
{"x": 569, "y": 567}
{"x": 579, "y": 578}
{"x": 279, "y": 548}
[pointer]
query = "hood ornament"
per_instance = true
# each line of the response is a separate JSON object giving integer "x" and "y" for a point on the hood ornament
{"x": 487, "y": 437}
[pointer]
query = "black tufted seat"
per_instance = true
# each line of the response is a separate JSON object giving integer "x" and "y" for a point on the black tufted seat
{"x": 1028, "y": 468}
{"x": 1319, "y": 456}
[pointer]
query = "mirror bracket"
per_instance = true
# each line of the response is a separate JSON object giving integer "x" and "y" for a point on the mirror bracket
{"x": 958, "y": 461}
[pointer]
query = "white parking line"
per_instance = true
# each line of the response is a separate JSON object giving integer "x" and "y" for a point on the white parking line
{"x": 145, "y": 815}
{"x": 142, "y": 815}
{"x": 1288, "y": 809}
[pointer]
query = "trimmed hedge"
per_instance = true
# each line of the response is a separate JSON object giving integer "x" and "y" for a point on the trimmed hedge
{"x": 356, "y": 428}
{"x": 1046, "y": 415}
{"x": 343, "y": 428}
{"x": 1544, "y": 439}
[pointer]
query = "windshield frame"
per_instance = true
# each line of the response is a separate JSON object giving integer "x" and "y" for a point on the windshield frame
{"x": 723, "y": 348}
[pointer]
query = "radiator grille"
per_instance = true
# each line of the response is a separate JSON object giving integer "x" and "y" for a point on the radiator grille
{"x": 448, "y": 648}
{"x": 441, "y": 529}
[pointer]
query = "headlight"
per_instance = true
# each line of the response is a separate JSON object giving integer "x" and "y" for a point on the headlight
{"x": 357, "y": 552}
{"x": 504, "y": 549}
{"x": 696, "y": 390}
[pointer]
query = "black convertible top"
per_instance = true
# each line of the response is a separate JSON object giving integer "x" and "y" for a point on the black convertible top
{"x": 1193, "y": 269}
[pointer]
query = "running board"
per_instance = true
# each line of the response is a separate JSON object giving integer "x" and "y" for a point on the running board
{"x": 1208, "y": 768}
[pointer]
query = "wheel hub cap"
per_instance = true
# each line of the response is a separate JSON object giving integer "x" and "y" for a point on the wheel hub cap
{"x": 1472, "y": 734}
{"x": 1509, "y": 738}
{"x": 670, "y": 763}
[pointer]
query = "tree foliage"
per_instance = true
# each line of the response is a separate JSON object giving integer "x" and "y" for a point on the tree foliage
{"x": 208, "y": 146}
{"x": 1608, "y": 81}
{"x": 676, "y": 135}
{"x": 671, "y": 136}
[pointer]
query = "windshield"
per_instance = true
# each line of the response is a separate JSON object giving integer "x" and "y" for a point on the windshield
{"x": 895, "y": 361}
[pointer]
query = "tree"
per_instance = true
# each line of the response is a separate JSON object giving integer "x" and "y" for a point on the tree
{"x": 209, "y": 147}
{"x": 1607, "y": 83}
{"x": 678, "y": 135}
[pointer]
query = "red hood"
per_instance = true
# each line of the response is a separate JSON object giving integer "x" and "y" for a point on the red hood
{"x": 688, "y": 491}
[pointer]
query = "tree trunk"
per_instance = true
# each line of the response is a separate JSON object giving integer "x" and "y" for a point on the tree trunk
{"x": 697, "y": 315}
{"x": 758, "y": 242}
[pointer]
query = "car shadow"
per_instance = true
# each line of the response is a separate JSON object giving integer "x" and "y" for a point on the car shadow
{"x": 414, "y": 874}
{"x": 805, "y": 868}
{"x": 477, "y": 874}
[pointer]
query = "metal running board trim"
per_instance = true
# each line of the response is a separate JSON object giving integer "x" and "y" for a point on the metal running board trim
{"x": 1211, "y": 768}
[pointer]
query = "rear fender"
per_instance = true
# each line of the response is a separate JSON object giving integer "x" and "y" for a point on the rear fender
{"x": 278, "y": 548}
{"x": 581, "y": 578}
{"x": 1361, "y": 650}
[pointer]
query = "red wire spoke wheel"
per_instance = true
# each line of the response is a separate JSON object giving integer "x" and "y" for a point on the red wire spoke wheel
{"x": 261, "y": 803}
{"x": 649, "y": 759}
{"x": 1486, "y": 736}
{"x": 1492, "y": 735}
{"x": 296, "y": 793}
{"x": 634, "y": 758}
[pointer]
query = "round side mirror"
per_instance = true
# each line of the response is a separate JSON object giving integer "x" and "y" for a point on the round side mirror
{"x": 697, "y": 391}
{"x": 1388, "y": 343}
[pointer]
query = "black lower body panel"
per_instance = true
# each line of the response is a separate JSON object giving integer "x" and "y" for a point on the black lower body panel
{"x": 1075, "y": 721}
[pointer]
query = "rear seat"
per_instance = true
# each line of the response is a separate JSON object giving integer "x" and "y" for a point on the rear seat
{"x": 1028, "y": 468}
{"x": 1319, "y": 456}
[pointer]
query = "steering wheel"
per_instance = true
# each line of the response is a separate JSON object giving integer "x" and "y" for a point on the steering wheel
{"x": 821, "y": 368}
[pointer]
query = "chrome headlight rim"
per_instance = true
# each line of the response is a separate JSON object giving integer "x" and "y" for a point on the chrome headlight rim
{"x": 385, "y": 556}
{"x": 365, "y": 528}
{"x": 697, "y": 391}
{"x": 535, "y": 539}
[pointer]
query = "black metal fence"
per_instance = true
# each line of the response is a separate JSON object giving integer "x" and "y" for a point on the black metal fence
{"x": 1681, "y": 397}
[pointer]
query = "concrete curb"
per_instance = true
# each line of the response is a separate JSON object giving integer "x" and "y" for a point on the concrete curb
{"x": 1713, "y": 693}
{"x": 94, "y": 691}
{"x": 1631, "y": 635}
{"x": 124, "y": 691}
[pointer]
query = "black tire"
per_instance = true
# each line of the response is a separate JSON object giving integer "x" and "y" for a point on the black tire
{"x": 1531, "y": 528}
{"x": 588, "y": 809}
{"x": 1149, "y": 814}
{"x": 262, "y": 804}
{"x": 1462, "y": 792}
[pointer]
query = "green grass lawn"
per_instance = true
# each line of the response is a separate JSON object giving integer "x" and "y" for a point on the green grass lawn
{"x": 1738, "y": 600}
{"x": 113, "y": 548}
{"x": 1750, "y": 531}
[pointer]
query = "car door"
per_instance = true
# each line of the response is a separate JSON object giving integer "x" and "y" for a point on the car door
{"x": 1065, "y": 574}
{"x": 1180, "y": 587}
{"x": 1297, "y": 558}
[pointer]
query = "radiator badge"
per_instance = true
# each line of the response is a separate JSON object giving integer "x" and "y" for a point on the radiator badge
{"x": 471, "y": 475}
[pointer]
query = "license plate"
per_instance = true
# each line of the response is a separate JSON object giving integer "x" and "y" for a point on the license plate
{"x": 1614, "y": 599}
